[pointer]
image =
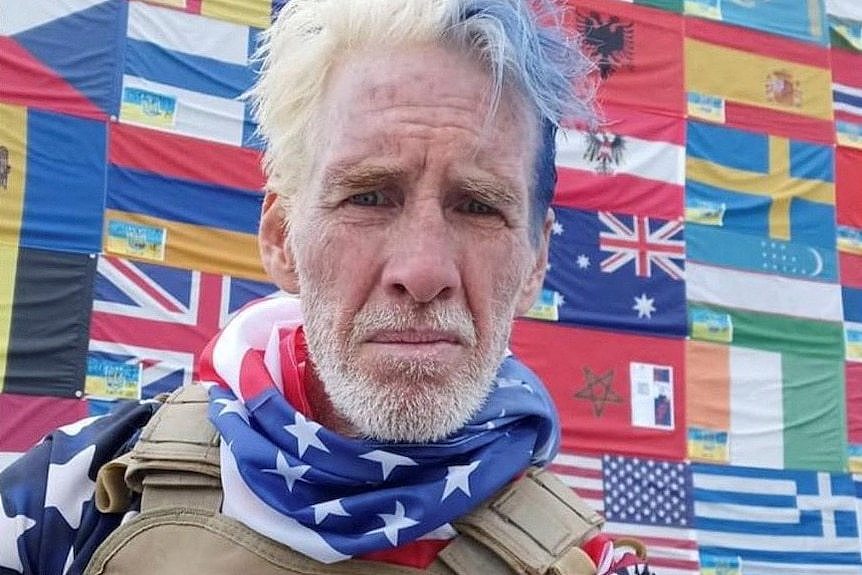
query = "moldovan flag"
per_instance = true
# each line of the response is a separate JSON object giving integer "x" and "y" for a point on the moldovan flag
{"x": 780, "y": 188}
{"x": 799, "y": 19}
{"x": 780, "y": 408}
{"x": 185, "y": 74}
{"x": 61, "y": 55}
{"x": 615, "y": 392}
{"x": 634, "y": 164}
{"x": 750, "y": 79}
{"x": 167, "y": 205}
{"x": 45, "y": 299}
{"x": 638, "y": 52}
{"x": 52, "y": 180}
{"x": 251, "y": 12}
{"x": 847, "y": 96}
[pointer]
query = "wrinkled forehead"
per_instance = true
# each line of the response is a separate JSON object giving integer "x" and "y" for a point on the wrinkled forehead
{"x": 445, "y": 86}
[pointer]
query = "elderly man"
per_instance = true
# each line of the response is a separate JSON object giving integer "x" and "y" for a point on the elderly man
{"x": 377, "y": 424}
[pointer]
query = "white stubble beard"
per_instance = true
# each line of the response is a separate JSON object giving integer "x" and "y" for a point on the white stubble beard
{"x": 431, "y": 401}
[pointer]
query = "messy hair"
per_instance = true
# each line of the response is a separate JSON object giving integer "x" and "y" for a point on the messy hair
{"x": 521, "y": 42}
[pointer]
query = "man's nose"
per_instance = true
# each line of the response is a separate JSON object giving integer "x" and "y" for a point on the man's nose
{"x": 422, "y": 259}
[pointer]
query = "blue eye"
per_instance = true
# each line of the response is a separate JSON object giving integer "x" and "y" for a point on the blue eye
{"x": 369, "y": 199}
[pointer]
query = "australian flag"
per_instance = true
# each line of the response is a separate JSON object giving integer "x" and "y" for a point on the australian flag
{"x": 616, "y": 271}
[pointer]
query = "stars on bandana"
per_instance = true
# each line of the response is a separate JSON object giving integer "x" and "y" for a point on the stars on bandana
{"x": 75, "y": 428}
{"x": 327, "y": 508}
{"x": 12, "y": 529}
{"x": 458, "y": 479}
{"x": 291, "y": 474}
{"x": 305, "y": 432}
{"x": 388, "y": 461}
{"x": 393, "y": 523}
{"x": 70, "y": 487}
{"x": 232, "y": 406}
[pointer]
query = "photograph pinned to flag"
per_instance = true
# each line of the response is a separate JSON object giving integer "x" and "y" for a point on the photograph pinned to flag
{"x": 148, "y": 108}
{"x": 854, "y": 458}
{"x": 720, "y": 565}
{"x": 652, "y": 395}
{"x": 128, "y": 239}
{"x": 547, "y": 306}
{"x": 706, "y": 107}
{"x": 853, "y": 341}
{"x": 710, "y": 325}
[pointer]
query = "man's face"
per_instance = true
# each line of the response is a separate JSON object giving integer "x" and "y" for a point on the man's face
{"x": 411, "y": 242}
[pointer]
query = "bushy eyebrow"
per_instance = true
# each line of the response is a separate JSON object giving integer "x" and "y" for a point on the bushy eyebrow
{"x": 494, "y": 192}
{"x": 361, "y": 177}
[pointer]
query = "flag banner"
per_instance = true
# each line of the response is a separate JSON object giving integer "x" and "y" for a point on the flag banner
{"x": 853, "y": 341}
{"x": 799, "y": 19}
{"x": 850, "y": 257}
{"x": 615, "y": 271}
{"x": 759, "y": 292}
{"x": 41, "y": 70}
{"x": 634, "y": 164}
{"x": 251, "y": 12}
{"x": 848, "y": 187}
{"x": 777, "y": 521}
{"x": 780, "y": 188}
{"x": 166, "y": 204}
{"x": 847, "y": 96}
{"x": 620, "y": 393}
{"x": 845, "y": 34}
{"x": 852, "y": 298}
{"x": 671, "y": 5}
{"x": 52, "y": 180}
{"x": 27, "y": 419}
{"x": 185, "y": 73}
{"x": 646, "y": 499}
{"x": 749, "y": 79}
{"x": 156, "y": 320}
{"x": 638, "y": 53}
{"x": 847, "y": 9}
{"x": 48, "y": 321}
{"x": 764, "y": 408}
{"x": 853, "y": 376}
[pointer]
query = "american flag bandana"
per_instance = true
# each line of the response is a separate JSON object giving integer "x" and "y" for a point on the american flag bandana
{"x": 332, "y": 497}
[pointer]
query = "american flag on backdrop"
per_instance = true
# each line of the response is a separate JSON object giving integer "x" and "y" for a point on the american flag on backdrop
{"x": 616, "y": 271}
{"x": 643, "y": 498}
{"x": 773, "y": 521}
{"x": 161, "y": 318}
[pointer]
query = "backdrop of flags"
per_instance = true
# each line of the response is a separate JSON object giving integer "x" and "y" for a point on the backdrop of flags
{"x": 703, "y": 301}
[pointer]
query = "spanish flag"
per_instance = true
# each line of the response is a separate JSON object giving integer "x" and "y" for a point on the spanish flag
{"x": 251, "y": 12}
{"x": 749, "y": 79}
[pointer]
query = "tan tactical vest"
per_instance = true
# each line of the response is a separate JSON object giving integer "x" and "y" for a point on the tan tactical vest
{"x": 532, "y": 527}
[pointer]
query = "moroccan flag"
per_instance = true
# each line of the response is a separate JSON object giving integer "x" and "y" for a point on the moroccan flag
{"x": 847, "y": 95}
{"x": 150, "y": 322}
{"x": 780, "y": 188}
{"x": 853, "y": 376}
{"x": 615, "y": 271}
{"x": 638, "y": 52}
{"x": 634, "y": 165}
{"x": 798, "y": 19}
{"x": 60, "y": 55}
{"x": 615, "y": 392}
{"x": 765, "y": 406}
{"x": 45, "y": 299}
{"x": 249, "y": 12}
{"x": 52, "y": 180}
{"x": 167, "y": 205}
{"x": 749, "y": 79}
{"x": 184, "y": 73}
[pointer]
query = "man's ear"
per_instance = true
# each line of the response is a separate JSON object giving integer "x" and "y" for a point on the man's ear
{"x": 275, "y": 254}
{"x": 534, "y": 282}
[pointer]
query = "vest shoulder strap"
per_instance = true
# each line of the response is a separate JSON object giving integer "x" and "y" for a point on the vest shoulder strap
{"x": 174, "y": 462}
{"x": 535, "y": 525}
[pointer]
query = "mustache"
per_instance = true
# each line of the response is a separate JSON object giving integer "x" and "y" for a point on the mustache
{"x": 436, "y": 317}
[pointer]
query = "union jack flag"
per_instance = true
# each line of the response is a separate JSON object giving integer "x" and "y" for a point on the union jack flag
{"x": 645, "y": 246}
{"x": 161, "y": 318}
